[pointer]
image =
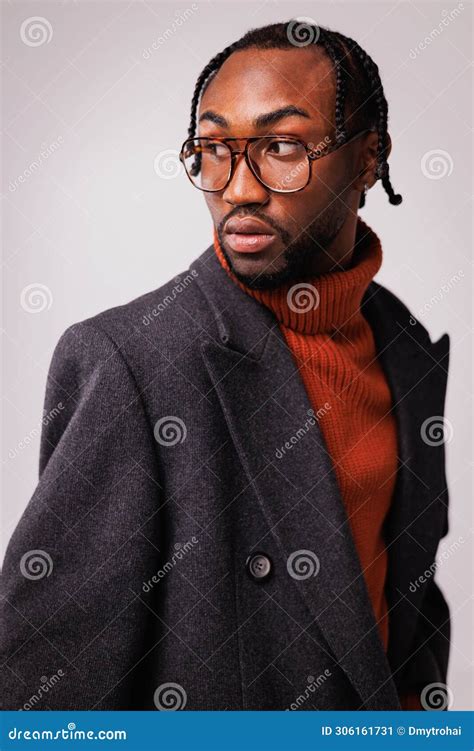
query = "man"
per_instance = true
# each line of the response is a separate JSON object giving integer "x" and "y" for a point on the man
{"x": 241, "y": 493}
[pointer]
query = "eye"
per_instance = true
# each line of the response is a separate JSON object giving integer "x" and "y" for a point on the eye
{"x": 215, "y": 149}
{"x": 283, "y": 148}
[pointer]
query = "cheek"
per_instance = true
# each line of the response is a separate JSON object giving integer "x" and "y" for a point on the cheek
{"x": 210, "y": 201}
{"x": 330, "y": 176}
{"x": 328, "y": 181}
{"x": 216, "y": 206}
{"x": 323, "y": 181}
{"x": 299, "y": 210}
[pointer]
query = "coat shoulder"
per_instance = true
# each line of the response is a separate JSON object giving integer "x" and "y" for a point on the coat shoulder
{"x": 171, "y": 314}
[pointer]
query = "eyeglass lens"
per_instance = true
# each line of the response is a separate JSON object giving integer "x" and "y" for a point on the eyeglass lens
{"x": 281, "y": 164}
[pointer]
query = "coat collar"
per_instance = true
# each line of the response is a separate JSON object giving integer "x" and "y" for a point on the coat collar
{"x": 265, "y": 403}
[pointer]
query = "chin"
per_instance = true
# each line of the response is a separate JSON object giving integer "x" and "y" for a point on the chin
{"x": 259, "y": 278}
{"x": 257, "y": 265}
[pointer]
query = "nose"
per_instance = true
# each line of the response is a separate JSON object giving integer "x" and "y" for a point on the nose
{"x": 244, "y": 186}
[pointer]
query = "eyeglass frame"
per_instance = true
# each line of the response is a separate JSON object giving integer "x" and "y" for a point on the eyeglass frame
{"x": 311, "y": 154}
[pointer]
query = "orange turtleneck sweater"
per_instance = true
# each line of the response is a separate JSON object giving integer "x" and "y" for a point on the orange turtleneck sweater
{"x": 334, "y": 349}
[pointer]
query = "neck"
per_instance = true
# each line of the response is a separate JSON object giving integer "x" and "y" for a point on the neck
{"x": 325, "y": 302}
{"x": 339, "y": 254}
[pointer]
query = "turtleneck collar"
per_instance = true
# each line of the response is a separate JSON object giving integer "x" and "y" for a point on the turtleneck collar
{"x": 326, "y": 302}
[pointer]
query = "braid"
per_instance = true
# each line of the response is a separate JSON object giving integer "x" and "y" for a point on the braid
{"x": 373, "y": 77}
{"x": 212, "y": 67}
{"x": 336, "y": 53}
{"x": 358, "y": 85}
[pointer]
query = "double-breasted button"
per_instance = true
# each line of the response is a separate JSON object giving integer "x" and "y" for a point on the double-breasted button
{"x": 259, "y": 566}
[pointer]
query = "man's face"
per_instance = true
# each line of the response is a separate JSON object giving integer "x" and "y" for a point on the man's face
{"x": 302, "y": 225}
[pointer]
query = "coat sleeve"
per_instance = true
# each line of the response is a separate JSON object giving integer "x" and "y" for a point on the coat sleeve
{"x": 73, "y": 623}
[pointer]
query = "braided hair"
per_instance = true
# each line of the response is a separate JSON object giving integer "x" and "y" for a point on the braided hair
{"x": 358, "y": 86}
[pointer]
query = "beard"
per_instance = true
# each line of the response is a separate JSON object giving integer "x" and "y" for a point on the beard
{"x": 299, "y": 254}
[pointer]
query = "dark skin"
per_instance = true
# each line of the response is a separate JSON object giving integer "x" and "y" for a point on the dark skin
{"x": 315, "y": 227}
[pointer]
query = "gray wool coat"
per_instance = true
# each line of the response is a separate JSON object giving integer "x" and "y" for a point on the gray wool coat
{"x": 131, "y": 580}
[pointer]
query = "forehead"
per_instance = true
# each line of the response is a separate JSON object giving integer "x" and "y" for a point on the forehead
{"x": 254, "y": 81}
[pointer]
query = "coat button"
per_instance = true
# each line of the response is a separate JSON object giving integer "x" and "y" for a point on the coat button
{"x": 258, "y": 566}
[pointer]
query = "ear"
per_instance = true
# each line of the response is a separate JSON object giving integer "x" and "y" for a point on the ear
{"x": 368, "y": 160}
{"x": 388, "y": 147}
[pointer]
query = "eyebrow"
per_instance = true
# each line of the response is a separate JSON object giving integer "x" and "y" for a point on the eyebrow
{"x": 268, "y": 118}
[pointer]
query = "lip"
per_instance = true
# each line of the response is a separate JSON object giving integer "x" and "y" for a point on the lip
{"x": 248, "y": 234}
{"x": 249, "y": 243}
{"x": 247, "y": 225}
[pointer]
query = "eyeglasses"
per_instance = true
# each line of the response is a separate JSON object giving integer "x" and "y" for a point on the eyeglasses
{"x": 280, "y": 163}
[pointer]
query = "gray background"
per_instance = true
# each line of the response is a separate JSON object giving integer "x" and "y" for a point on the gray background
{"x": 95, "y": 104}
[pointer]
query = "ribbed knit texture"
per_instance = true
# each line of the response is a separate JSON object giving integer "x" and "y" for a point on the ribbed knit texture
{"x": 334, "y": 349}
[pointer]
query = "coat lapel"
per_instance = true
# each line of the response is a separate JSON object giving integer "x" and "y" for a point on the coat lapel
{"x": 266, "y": 406}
